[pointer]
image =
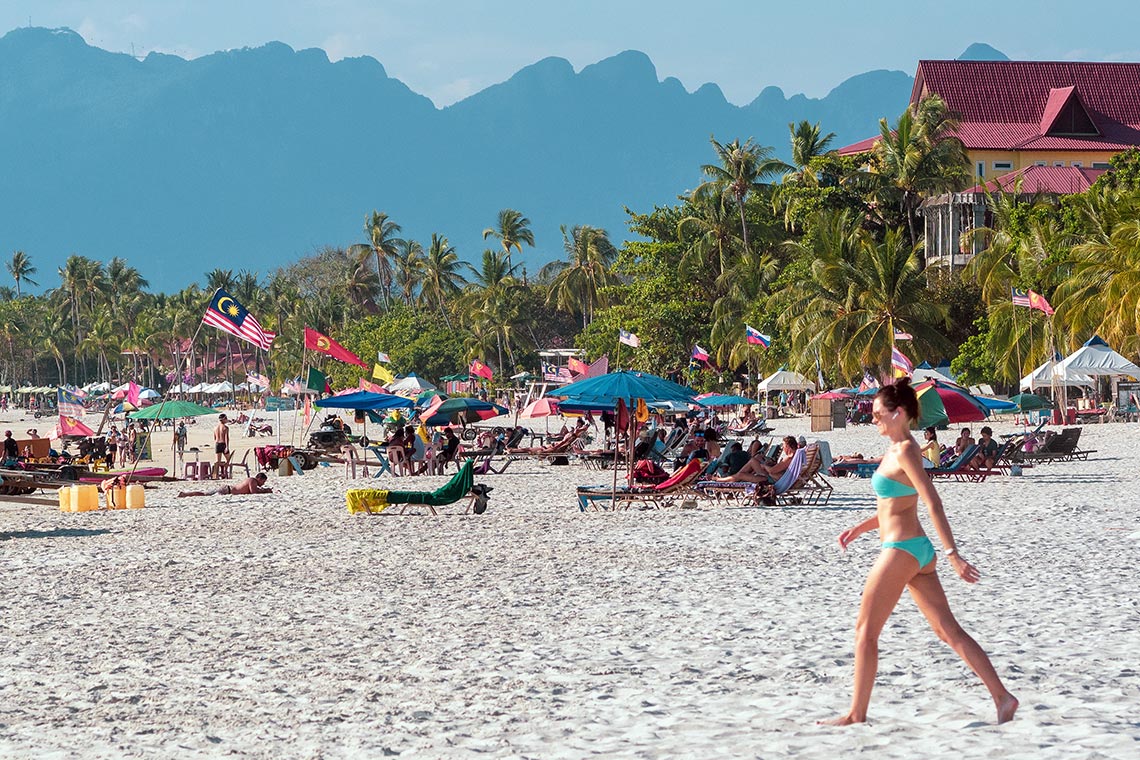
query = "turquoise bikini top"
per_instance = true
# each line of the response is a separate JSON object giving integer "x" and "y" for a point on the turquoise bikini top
{"x": 885, "y": 488}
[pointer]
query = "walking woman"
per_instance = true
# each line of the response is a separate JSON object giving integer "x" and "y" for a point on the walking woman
{"x": 908, "y": 557}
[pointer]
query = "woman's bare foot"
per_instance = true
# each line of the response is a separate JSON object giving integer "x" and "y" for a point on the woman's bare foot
{"x": 1006, "y": 707}
{"x": 845, "y": 720}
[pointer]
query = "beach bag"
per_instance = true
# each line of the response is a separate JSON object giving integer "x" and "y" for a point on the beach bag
{"x": 648, "y": 471}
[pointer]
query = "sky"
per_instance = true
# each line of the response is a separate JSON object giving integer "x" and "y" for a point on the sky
{"x": 449, "y": 49}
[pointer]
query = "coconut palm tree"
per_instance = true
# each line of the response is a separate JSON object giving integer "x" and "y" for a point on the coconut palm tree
{"x": 713, "y": 241}
{"x": 21, "y": 269}
{"x": 409, "y": 268}
{"x": 511, "y": 230}
{"x": 442, "y": 276}
{"x": 917, "y": 157}
{"x": 578, "y": 284}
{"x": 741, "y": 171}
{"x": 860, "y": 292}
{"x": 384, "y": 244}
{"x": 807, "y": 144}
{"x": 490, "y": 302}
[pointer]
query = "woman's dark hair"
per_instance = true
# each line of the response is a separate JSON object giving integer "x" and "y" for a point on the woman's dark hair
{"x": 791, "y": 442}
{"x": 900, "y": 395}
{"x": 930, "y": 431}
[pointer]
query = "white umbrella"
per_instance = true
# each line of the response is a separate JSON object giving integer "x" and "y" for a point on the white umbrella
{"x": 786, "y": 380}
{"x": 413, "y": 383}
{"x": 199, "y": 388}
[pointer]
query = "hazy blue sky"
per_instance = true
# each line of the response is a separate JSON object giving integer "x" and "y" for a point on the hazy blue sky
{"x": 449, "y": 49}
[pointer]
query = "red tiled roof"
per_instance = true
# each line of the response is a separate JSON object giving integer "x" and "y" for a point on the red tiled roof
{"x": 1009, "y": 105}
{"x": 863, "y": 146}
{"x": 1056, "y": 180}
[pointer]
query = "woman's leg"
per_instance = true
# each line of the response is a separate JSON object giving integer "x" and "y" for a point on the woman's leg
{"x": 931, "y": 599}
{"x": 884, "y": 586}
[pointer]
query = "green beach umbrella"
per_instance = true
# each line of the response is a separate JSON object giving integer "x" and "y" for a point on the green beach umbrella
{"x": 1028, "y": 402}
{"x": 172, "y": 410}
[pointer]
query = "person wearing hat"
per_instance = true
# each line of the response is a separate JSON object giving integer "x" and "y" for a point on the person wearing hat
{"x": 11, "y": 451}
{"x": 221, "y": 441}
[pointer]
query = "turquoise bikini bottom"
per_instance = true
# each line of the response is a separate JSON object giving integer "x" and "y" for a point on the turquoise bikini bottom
{"x": 918, "y": 547}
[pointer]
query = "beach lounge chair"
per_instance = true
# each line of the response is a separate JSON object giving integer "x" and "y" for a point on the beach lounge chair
{"x": 1060, "y": 448}
{"x": 752, "y": 494}
{"x": 676, "y": 487}
{"x": 962, "y": 468}
{"x": 462, "y": 484}
{"x": 811, "y": 487}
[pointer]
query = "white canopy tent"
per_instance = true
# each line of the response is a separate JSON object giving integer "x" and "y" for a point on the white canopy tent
{"x": 786, "y": 380}
{"x": 413, "y": 383}
{"x": 1096, "y": 359}
{"x": 1042, "y": 377}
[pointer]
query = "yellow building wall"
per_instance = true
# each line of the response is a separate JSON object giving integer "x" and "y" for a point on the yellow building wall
{"x": 1022, "y": 159}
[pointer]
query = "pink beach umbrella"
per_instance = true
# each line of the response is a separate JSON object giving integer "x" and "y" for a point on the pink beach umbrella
{"x": 543, "y": 407}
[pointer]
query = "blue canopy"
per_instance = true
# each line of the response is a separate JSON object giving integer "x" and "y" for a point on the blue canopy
{"x": 721, "y": 400}
{"x": 605, "y": 390}
{"x": 366, "y": 400}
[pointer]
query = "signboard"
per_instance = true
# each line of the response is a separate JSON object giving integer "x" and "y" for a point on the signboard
{"x": 279, "y": 404}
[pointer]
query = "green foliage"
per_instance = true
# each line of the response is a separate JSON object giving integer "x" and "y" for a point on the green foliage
{"x": 416, "y": 339}
{"x": 975, "y": 361}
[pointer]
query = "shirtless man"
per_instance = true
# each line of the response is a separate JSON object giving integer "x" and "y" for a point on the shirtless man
{"x": 247, "y": 487}
{"x": 221, "y": 440}
{"x": 756, "y": 471}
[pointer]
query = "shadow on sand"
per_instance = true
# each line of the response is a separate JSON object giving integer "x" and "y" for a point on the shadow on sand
{"x": 55, "y": 533}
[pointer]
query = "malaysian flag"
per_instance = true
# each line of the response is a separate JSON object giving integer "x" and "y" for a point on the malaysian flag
{"x": 1020, "y": 297}
{"x": 628, "y": 338}
{"x": 226, "y": 314}
{"x": 69, "y": 404}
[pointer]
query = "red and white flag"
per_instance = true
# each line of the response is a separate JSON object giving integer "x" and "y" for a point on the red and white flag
{"x": 226, "y": 314}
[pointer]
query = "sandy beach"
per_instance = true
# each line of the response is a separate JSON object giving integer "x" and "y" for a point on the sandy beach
{"x": 282, "y": 626}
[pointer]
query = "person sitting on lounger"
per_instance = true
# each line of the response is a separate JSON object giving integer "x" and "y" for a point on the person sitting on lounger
{"x": 988, "y": 450}
{"x": 757, "y": 471}
{"x": 736, "y": 459}
{"x": 559, "y": 446}
{"x": 931, "y": 449}
{"x": 247, "y": 487}
{"x": 965, "y": 441}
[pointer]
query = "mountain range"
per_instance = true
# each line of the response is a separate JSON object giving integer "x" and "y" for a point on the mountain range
{"x": 250, "y": 158}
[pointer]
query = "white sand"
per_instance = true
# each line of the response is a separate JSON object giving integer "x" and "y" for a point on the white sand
{"x": 282, "y": 626}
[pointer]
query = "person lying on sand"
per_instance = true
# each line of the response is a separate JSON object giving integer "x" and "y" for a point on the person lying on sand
{"x": 247, "y": 487}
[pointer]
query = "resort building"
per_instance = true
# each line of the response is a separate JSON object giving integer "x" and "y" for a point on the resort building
{"x": 1052, "y": 125}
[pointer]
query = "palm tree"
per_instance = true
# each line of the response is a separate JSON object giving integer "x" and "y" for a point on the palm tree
{"x": 919, "y": 156}
{"x": 715, "y": 246}
{"x": 807, "y": 144}
{"x": 741, "y": 171}
{"x": 512, "y": 230}
{"x": 21, "y": 269}
{"x": 384, "y": 244}
{"x": 441, "y": 274}
{"x": 409, "y": 265}
{"x": 579, "y": 283}
{"x": 220, "y": 278}
{"x": 859, "y": 293}
{"x": 490, "y": 301}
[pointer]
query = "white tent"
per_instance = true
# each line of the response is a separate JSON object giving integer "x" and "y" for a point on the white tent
{"x": 413, "y": 383}
{"x": 919, "y": 374}
{"x": 179, "y": 388}
{"x": 1042, "y": 377}
{"x": 199, "y": 388}
{"x": 786, "y": 380}
{"x": 1096, "y": 359}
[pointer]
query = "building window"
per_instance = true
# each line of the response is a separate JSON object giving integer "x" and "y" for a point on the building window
{"x": 1058, "y": 163}
{"x": 1040, "y": 163}
{"x": 981, "y": 168}
{"x": 1078, "y": 164}
{"x": 1003, "y": 166}
{"x": 1101, "y": 165}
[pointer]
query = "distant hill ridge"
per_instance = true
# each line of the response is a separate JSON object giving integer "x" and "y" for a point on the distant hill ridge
{"x": 247, "y": 159}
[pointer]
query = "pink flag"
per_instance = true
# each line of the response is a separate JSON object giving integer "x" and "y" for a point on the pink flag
{"x": 599, "y": 367}
{"x": 133, "y": 393}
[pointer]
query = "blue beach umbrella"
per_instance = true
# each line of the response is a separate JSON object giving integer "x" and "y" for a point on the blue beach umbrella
{"x": 366, "y": 401}
{"x": 604, "y": 391}
{"x": 721, "y": 400}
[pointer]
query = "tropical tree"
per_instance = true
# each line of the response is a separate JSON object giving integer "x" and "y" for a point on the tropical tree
{"x": 409, "y": 268}
{"x": 511, "y": 230}
{"x": 442, "y": 275}
{"x": 21, "y": 269}
{"x": 383, "y": 243}
{"x": 578, "y": 284}
{"x": 807, "y": 144}
{"x": 741, "y": 170}
{"x": 919, "y": 156}
{"x": 490, "y": 303}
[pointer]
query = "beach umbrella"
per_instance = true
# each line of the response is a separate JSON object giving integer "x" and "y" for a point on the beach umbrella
{"x": 365, "y": 401}
{"x": 412, "y": 383}
{"x": 1029, "y": 402}
{"x": 543, "y": 407}
{"x": 717, "y": 399}
{"x": 944, "y": 403}
{"x": 171, "y": 410}
{"x": 997, "y": 404}
{"x": 604, "y": 391}
{"x": 149, "y": 393}
{"x": 464, "y": 410}
{"x": 839, "y": 394}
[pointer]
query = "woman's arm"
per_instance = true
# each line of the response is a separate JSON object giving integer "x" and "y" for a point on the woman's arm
{"x": 849, "y": 535}
{"x": 911, "y": 462}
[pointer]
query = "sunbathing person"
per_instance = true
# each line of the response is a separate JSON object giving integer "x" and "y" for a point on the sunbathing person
{"x": 247, "y": 487}
{"x": 559, "y": 446}
{"x": 758, "y": 471}
{"x": 988, "y": 451}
